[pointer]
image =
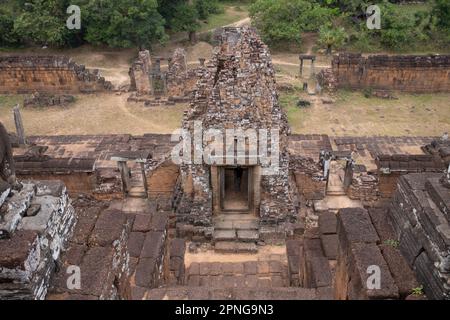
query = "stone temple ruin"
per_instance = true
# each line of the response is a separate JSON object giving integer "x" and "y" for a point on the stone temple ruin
{"x": 153, "y": 86}
{"x": 236, "y": 91}
{"x": 137, "y": 224}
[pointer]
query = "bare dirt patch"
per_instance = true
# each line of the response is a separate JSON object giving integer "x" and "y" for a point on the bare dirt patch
{"x": 94, "y": 114}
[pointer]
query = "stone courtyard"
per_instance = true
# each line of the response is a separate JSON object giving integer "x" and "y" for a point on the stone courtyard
{"x": 139, "y": 226}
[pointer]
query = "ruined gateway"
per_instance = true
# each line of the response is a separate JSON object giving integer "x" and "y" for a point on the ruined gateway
{"x": 137, "y": 225}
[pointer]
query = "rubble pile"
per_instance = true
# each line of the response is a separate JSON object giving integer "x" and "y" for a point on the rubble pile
{"x": 47, "y": 100}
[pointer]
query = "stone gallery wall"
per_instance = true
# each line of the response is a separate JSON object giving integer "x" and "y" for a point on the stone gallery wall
{"x": 392, "y": 167}
{"x": 400, "y": 72}
{"x": 28, "y": 74}
{"x": 419, "y": 213}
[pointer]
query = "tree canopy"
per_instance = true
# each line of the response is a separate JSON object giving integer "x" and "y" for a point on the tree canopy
{"x": 116, "y": 23}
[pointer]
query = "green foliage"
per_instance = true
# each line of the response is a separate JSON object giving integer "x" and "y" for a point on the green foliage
{"x": 441, "y": 11}
{"x": 42, "y": 22}
{"x": 116, "y": 23}
{"x": 332, "y": 37}
{"x": 124, "y": 23}
{"x": 393, "y": 243}
{"x": 185, "y": 18}
{"x": 7, "y": 35}
{"x": 284, "y": 20}
{"x": 418, "y": 291}
{"x": 206, "y": 7}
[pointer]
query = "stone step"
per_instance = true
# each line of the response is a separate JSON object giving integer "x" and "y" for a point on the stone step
{"x": 336, "y": 193}
{"x": 205, "y": 293}
{"x": 247, "y": 235}
{"x": 235, "y": 247}
{"x": 224, "y": 235}
{"x": 237, "y": 225}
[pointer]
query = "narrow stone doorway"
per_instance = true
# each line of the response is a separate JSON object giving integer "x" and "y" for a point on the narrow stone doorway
{"x": 235, "y": 189}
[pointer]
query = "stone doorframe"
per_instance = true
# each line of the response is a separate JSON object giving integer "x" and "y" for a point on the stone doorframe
{"x": 125, "y": 173}
{"x": 254, "y": 188}
{"x": 325, "y": 160}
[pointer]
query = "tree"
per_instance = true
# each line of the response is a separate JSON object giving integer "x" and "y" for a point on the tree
{"x": 7, "y": 34}
{"x": 282, "y": 21}
{"x": 399, "y": 28}
{"x": 124, "y": 23}
{"x": 206, "y": 7}
{"x": 42, "y": 22}
{"x": 186, "y": 19}
{"x": 441, "y": 11}
{"x": 332, "y": 37}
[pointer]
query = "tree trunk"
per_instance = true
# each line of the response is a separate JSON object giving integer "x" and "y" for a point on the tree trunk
{"x": 192, "y": 37}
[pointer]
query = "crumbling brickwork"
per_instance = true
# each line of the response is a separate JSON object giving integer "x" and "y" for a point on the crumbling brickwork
{"x": 27, "y": 74}
{"x": 35, "y": 227}
{"x": 175, "y": 84}
{"x": 139, "y": 73}
{"x": 409, "y": 73}
{"x": 237, "y": 90}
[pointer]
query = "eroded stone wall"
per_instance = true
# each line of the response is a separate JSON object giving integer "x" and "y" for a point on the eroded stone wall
{"x": 35, "y": 227}
{"x": 399, "y": 72}
{"x": 237, "y": 90}
{"x": 28, "y": 74}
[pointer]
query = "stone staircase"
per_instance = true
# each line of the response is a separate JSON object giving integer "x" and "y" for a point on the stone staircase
{"x": 236, "y": 233}
{"x": 248, "y": 280}
{"x": 137, "y": 189}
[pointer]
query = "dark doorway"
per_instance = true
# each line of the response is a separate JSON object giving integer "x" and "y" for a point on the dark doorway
{"x": 235, "y": 189}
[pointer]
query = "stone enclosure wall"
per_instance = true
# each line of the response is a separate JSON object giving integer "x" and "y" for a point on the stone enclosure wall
{"x": 410, "y": 73}
{"x": 392, "y": 167}
{"x": 28, "y": 74}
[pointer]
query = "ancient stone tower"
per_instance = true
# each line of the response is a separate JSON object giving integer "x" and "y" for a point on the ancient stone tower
{"x": 236, "y": 102}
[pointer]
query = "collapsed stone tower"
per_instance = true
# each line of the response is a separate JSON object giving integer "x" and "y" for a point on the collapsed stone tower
{"x": 236, "y": 102}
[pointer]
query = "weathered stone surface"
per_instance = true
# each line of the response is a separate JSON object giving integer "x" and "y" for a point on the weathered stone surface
{"x": 153, "y": 245}
{"x": 355, "y": 225}
{"x": 145, "y": 271}
{"x": 327, "y": 222}
{"x": 330, "y": 245}
{"x": 135, "y": 243}
{"x": 27, "y": 74}
{"x": 366, "y": 255}
{"x": 418, "y": 217}
{"x": 398, "y": 72}
{"x": 401, "y": 272}
{"x": 33, "y": 245}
